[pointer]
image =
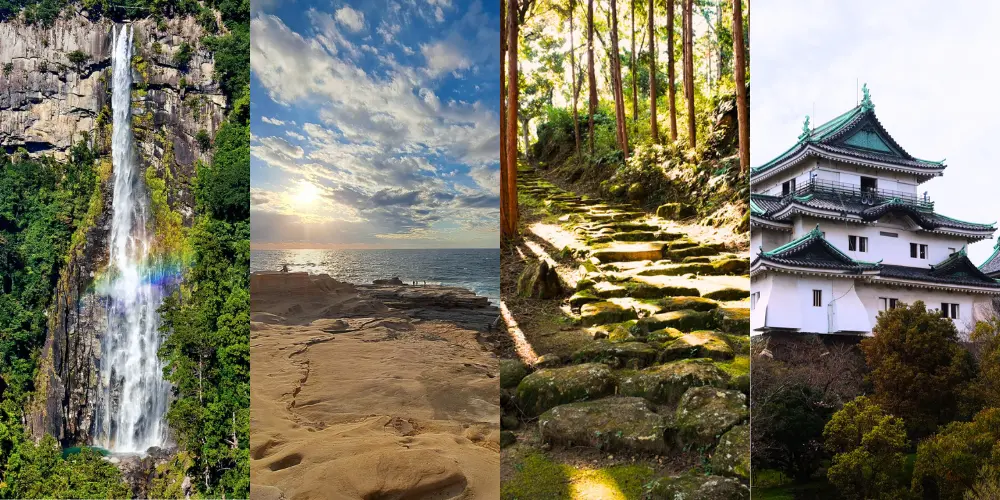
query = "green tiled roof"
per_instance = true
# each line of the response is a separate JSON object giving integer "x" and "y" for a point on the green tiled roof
{"x": 858, "y": 133}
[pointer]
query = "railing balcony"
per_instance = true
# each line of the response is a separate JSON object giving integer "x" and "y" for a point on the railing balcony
{"x": 854, "y": 192}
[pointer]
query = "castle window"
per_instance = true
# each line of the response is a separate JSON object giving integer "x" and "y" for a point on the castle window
{"x": 754, "y": 297}
{"x": 918, "y": 251}
{"x": 788, "y": 187}
{"x": 817, "y": 298}
{"x": 950, "y": 310}
{"x": 869, "y": 184}
{"x": 887, "y": 303}
{"x": 857, "y": 243}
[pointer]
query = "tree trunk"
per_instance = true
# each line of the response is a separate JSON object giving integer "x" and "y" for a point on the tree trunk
{"x": 671, "y": 74}
{"x": 616, "y": 82}
{"x": 635, "y": 102}
{"x": 689, "y": 70}
{"x": 739, "y": 76}
{"x": 652, "y": 76}
{"x": 574, "y": 83}
{"x": 509, "y": 229}
{"x": 524, "y": 132}
{"x": 591, "y": 76}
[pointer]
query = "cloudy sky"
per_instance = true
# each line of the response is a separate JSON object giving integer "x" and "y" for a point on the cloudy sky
{"x": 375, "y": 124}
{"x": 931, "y": 71}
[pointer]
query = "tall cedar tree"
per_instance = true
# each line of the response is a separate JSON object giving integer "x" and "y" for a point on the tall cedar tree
{"x": 688, "y": 16}
{"x": 616, "y": 82}
{"x": 512, "y": 95}
{"x": 671, "y": 74}
{"x": 575, "y": 83}
{"x": 635, "y": 103}
{"x": 917, "y": 367}
{"x": 652, "y": 74}
{"x": 740, "y": 78}
{"x": 508, "y": 146}
{"x": 591, "y": 76}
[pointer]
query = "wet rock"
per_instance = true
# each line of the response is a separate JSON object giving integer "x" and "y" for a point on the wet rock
{"x": 610, "y": 424}
{"x": 704, "y": 414}
{"x": 392, "y": 281}
{"x": 539, "y": 281}
{"x": 511, "y": 372}
{"x": 667, "y": 383}
{"x": 601, "y": 313}
{"x": 698, "y": 344}
{"x": 552, "y": 387}
{"x": 695, "y": 486}
{"x": 617, "y": 355}
{"x": 732, "y": 454}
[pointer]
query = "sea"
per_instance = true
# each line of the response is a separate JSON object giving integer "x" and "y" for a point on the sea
{"x": 474, "y": 269}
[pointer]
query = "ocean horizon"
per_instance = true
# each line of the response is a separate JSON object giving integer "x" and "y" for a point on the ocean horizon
{"x": 475, "y": 269}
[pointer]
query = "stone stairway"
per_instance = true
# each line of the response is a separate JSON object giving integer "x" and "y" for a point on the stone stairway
{"x": 666, "y": 369}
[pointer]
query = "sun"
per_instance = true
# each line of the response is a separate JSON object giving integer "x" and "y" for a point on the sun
{"x": 306, "y": 194}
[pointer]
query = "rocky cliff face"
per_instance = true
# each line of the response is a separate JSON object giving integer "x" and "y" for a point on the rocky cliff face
{"x": 47, "y": 103}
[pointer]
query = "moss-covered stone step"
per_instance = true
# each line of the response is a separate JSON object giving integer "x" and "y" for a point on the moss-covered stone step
{"x": 704, "y": 414}
{"x": 685, "y": 320}
{"x": 624, "y": 252}
{"x": 633, "y": 355}
{"x": 696, "y": 486}
{"x": 666, "y": 383}
{"x": 727, "y": 294}
{"x": 551, "y": 387}
{"x": 712, "y": 268}
{"x": 612, "y": 424}
{"x": 640, "y": 290}
{"x": 602, "y": 313}
{"x": 734, "y": 320}
{"x": 697, "y": 344}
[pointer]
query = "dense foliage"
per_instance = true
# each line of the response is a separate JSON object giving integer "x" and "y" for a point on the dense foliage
{"x": 953, "y": 461}
{"x": 43, "y": 202}
{"x": 918, "y": 369}
{"x": 868, "y": 448}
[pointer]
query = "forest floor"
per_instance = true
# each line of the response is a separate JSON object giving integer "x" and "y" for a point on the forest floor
{"x": 632, "y": 341}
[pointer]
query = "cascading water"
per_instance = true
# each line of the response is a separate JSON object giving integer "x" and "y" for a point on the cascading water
{"x": 133, "y": 395}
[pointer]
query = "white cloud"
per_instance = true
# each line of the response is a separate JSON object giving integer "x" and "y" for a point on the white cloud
{"x": 444, "y": 57}
{"x": 273, "y": 121}
{"x": 351, "y": 19}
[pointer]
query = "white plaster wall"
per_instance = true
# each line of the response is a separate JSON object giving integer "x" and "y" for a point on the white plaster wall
{"x": 782, "y": 303}
{"x": 889, "y": 250}
{"x": 758, "y": 314}
{"x": 814, "y": 319}
{"x": 849, "y": 313}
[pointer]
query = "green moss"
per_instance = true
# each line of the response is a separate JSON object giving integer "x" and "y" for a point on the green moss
{"x": 169, "y": 226}
{"x": 539, "y": 477}
{"x": 168, "y": 481}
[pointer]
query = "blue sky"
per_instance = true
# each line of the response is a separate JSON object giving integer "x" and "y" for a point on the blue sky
{"x": 930, "y": 71}
{"x": 375, "y": 124}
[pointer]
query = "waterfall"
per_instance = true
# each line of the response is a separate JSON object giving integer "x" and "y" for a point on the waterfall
{"x": 132, "y": 393}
